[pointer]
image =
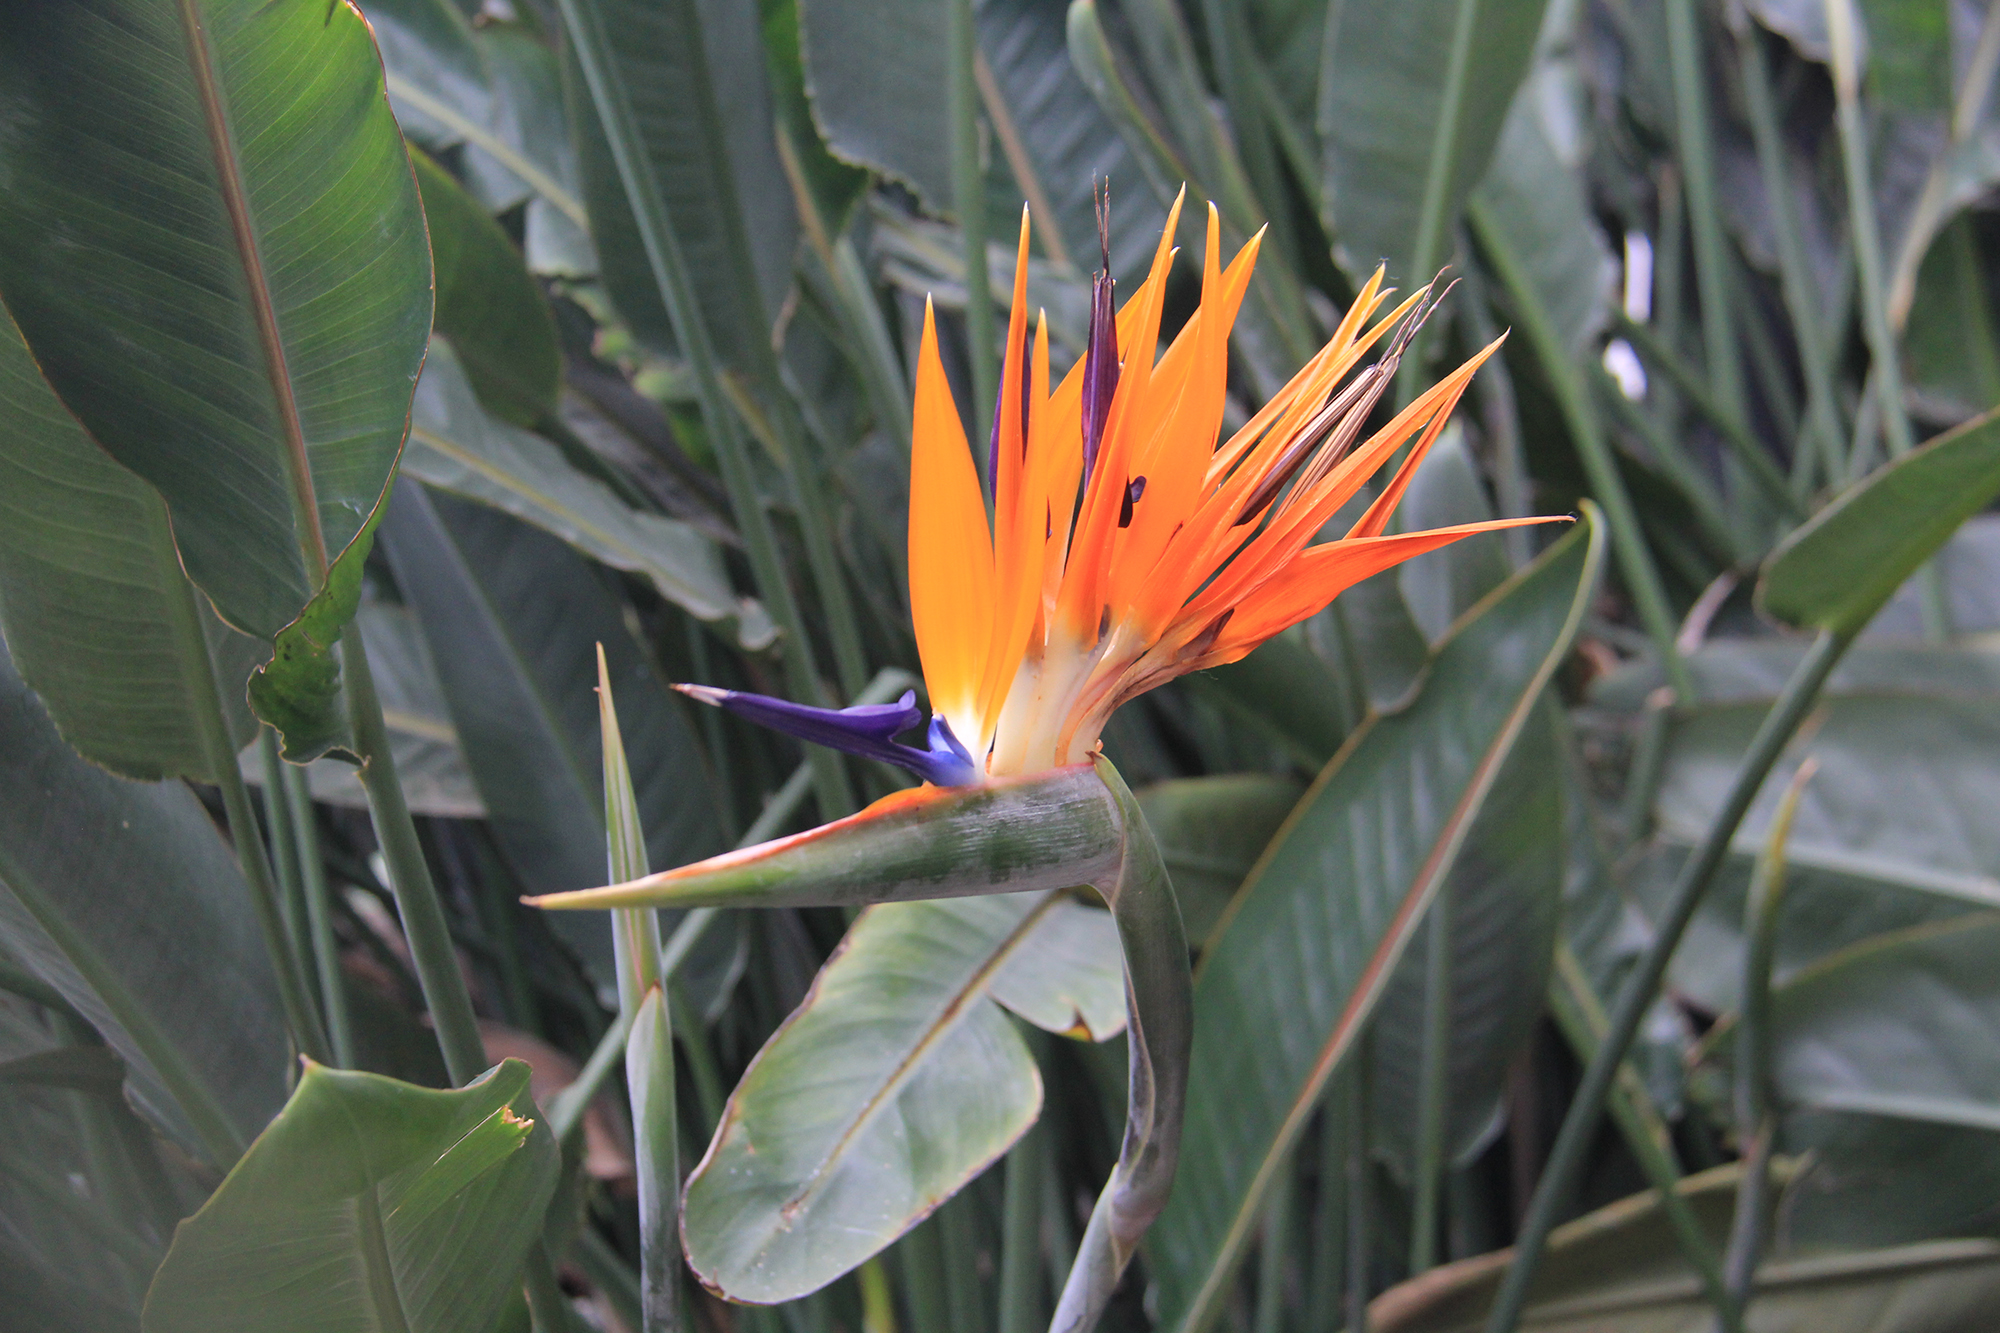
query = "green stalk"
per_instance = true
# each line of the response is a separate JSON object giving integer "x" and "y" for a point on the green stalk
{"x": 1329, "y": 1254}
{"x": 1273, "y": 1254}
{"x": 1432, "y": 225}
{"x": 319, "y": 918}
{"x": 1756, "y": 1124}
{"x": 959, "y": 1235}
{"x": 968, "y": 188}
{"x": 1643, "y": 982}
{"x": 1711, "y": 253}
{"x": 1649, "y": 761}
{"x": 1795, "y": 274}
{"x": 431, "y": 951}
{"x": 1021, "y": 1302}
{"x": 1635, "y": 560}
{"x": 1360, "y": 1215}
{"x": 1433, "y": 1086}
{"x": 710, "y": 1092}
{"x": 1670, "y": 458}
{"x": 284, "y": 855}
{"x": 1574, "y": 1005}
{"x": 198, "y": 671}
{"x": 922, "y": 1256}
{"x": 1754, "y": 457}
{"x": 606, "y": 82}
{"x": 1884, "y": 359}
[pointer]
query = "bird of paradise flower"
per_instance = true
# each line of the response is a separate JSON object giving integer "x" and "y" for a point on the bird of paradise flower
{"x": 1179, "y": 555}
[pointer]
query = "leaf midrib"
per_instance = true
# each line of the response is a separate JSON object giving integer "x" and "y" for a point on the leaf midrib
{"x": 235, "y": 200}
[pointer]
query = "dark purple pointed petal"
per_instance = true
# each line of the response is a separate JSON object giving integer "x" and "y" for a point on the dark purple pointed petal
{"x": 866, "y": 730}
{"x": 1100, "y": 369}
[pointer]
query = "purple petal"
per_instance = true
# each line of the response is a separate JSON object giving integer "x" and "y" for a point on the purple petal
{"x": 1100, "y": 369}
{"x": 866, "y": 730}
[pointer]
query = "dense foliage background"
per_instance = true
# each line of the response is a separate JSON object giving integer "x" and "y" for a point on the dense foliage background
{"x": 1748, "y": 256}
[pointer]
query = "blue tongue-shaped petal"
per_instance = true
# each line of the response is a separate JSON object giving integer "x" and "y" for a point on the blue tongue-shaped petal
{"x": 867, "y": 730}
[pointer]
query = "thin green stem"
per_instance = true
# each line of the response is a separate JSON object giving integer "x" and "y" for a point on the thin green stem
{"x": 968, "y": 188}
{"x": 922, "y": 1267}
{"x": 431, "y": 951}
{"x": 1697, "y": 157}
{"x": 319, "y": 917}
{"x": 1274, "y": 1254}
{"x": 1671, "y": 459}
{"x": 1755, "y": 458}
{"x": 1433, "y": 1086}
{"x": 1635, "y": 996}
{"x": 1022, "y": 1302}
{"x": 959, "y": 1233}
{"x": 217, "y": 748}
{"x": 284, "y": 856}
{"x": 1329, "y": 1253}
{"x": 1795, "y": 274}
{"x": 606, "y": 81}
{"x": 1635, "y": 560}
{"x": 1433, "y": 224}
{"x": 1360, "y": 1215}
{"x": 1756, "y": 1125}
{"x": 1580, "y": 1017}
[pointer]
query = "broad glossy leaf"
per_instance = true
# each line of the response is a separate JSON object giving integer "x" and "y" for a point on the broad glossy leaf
{"x": 1065, "y": 137}
{"x": 457, "y": 445}
{"x": 368, "y": 1204}
{"x": 1897, "y": 1025}
{"x": 1619, "y": 1268}
{"x": 98, "y": 616}
{"x": 1838, "y": 570}
{"x": 695, "y": 72}
{"x": 1211, "y": 831}
{"x": 176, "y": 978}
{"x": 894, "y": 1084}
{"x": 191, "y": 186}
{"x": 1506, "y": 891}
{"x": 488, "y": 305}
{"x": 495, "y": 93}
{"x": 512, "y": 617}
{"x": 1954, "y": 359}
{"x": 876, "y": 75}
{"x": 1535, "y": 192}
{"x": 1887, "y": 1180}
{"x": 1383, "y": 122}
{"x": 429, "y": 763}
{"x": 1311, "y": 939}
{"x": 1439, "y": 586}
{"x": 1067, "y": 976}
{"x": 1288, "y": 694}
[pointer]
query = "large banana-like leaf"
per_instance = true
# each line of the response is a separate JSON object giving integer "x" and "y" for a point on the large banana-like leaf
{"x": 511, "y": 616}
{"x": 213, "y": 244}
{"x": 1312, "y": 938}
{"x": 175, "y": 977}
{"x": 1838, "y": 570}
{"x": 457, "y": 445}
{"x": 368, "y": 1205}
{"x": 1618, "y": 1268}
{"x": 1413, "y": 97}
{"x": 98, "y": 616}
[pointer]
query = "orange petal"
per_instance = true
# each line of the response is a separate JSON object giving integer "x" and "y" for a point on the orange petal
{"x": 951, "y": 552}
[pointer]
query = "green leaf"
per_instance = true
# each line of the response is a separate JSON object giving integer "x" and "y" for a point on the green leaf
{"x": 701, "y": 97}
{"x": 429, "y": 763}
{"x": 1618, "y": 1268}
{"x": 876, "y": 76}
{"x": 1406, "y": 130}
{"x": 1440, "y": 586}
{"x": 1313, "y": 936}
{"x": 488, "y": 305}
{"x": 1535, "y": 192}
{"x": 455, "y": 444}
{"x": 368, "y": 1204}
{"x": 896, "y": 1082}
{"x": 263, "y": 360}
{"x": 512, "y": 616}
{"x": 1887, "y": 1180}
{"x": 175, "y": 978}
{"x": 1066, "y": 138}
{"x": 1893, "y": 1026}
{"x": 1288, "y": 693}
{"x": 1506, "y": 890}
{"x": 1837, "y": 570}
{"x": 98, "y": 616}
{"x": 1067, "y": 977}
{"x": 496, "y": 94}
{"x": 1950, "y": 340}
{"x": 1211, "y": 831}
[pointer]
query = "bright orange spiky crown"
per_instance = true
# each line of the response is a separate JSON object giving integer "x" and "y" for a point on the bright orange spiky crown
{"x": 1181, "y": 555}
